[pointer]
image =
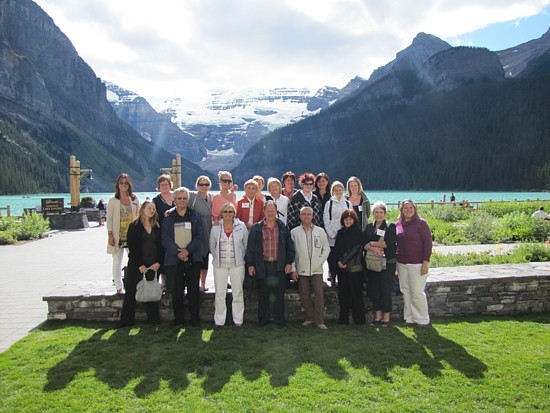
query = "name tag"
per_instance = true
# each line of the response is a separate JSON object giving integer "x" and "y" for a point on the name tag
{"x": 317, "y": 242}
{"x": 246, "y": 204}
{"x": 360, "y": 207}
{"x": 187, "y": 225}
{"x": 380, "y": 232}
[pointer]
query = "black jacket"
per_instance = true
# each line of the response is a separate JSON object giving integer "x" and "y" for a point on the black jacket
{"x": 349, "y": 248}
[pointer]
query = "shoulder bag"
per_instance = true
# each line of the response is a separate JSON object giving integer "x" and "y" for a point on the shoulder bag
{"x": 373, "y": 261}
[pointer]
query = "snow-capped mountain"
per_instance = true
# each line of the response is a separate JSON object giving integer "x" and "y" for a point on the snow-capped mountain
{"x": 229, "y": 123}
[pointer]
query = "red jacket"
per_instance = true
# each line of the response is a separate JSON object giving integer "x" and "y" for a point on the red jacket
{"x": 243, "y": 210}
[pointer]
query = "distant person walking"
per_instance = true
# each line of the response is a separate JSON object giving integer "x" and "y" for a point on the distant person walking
{"x": 452, "y": 199}
{"x": 414, "y": 249}
{"x": 102, "y": 212}
{"x": 122, "y": 208}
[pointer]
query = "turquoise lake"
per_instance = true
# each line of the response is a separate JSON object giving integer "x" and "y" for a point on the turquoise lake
{"x": 17, "y": 203}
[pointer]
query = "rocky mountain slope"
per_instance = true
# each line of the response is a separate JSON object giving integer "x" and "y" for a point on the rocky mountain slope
{"x": 52, "y": 103}
{"x": 448, "y": 120}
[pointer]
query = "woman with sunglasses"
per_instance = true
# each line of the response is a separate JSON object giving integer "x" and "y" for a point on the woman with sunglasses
{"x": 225, "y": 195}
{"x": 201, "y": 202}
{"x": 228, "y": 243}
{"x": 122, "y": 209}
{"x": 414, "y": 249}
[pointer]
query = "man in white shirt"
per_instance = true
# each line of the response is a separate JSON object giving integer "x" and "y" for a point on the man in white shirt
{"x": 541, "y": 214}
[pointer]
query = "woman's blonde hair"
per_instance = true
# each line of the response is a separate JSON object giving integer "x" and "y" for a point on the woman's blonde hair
{"x": 359, "y": 184}
{"x": 227, "y": 206}
{"x": 275, "y": 181}
{"x": 141, "y": 214}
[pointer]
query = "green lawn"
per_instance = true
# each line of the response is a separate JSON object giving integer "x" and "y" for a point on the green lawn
{"x": 469, "y": 364}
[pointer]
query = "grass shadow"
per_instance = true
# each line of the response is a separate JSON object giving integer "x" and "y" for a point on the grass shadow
{"x": 156, "y": 354}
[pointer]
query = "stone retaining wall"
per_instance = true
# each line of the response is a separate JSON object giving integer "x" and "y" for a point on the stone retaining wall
{"x": 504, "y": 290}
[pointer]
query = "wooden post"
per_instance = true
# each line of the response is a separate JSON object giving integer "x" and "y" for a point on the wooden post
{"x": 74, "y": 182}
{"x": 176, "y": 171}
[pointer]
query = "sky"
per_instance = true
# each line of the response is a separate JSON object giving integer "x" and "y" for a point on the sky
{"x": 192, "y": 48}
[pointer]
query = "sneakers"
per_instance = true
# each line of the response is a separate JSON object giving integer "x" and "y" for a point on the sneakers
{"x": 322, "y": 326}
{"x": 307, "y": 323}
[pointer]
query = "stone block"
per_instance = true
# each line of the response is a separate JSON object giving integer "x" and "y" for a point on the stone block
{"x": 57, "y": 316}
{"x": 515, "y": 287}
{"x": 495, "y": 307}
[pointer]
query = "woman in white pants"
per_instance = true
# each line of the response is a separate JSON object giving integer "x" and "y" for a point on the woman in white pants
{"x": 414, "y": 249}
{"x": 122, "y": 208}
{"x": 228, "y": 243}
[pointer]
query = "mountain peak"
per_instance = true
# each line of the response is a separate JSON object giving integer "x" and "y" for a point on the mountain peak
{"x": 419, "y": 52}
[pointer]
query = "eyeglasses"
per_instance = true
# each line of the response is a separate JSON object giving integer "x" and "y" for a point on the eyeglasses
{"x": 204, "y": 184}
{"x": 307, "y": 183}
{"x": 228, "y": 212}
{"x": 124, "y": 183}
{"x": 226, "y": 181}
{"x": 179, "y": 198}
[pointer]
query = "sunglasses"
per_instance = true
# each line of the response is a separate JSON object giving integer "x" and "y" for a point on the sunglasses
{"x": 205, "y": 184}
{"x": 226, "y": 181}
{"x": 179, "y": 198}
{"x": 307, "y": 183}
{"x": 228, "y": 212}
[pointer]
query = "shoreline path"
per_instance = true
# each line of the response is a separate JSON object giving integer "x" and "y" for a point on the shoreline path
{"x": 31, "y": 270}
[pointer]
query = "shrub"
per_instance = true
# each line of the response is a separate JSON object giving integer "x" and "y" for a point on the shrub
{"x": 500, "y": 209}
{"x": 447, "y": 233}
{"x": 522, "y": 254}
{"x": 482, "y": 228}
{"x": 30, "y": 226}
{"x": 534, "y": 252}
{"x": 447, "y": 213}
{"x": 87, "y": 202}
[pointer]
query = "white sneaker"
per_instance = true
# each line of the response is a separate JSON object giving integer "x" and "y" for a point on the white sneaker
{"x": 322, "y": 326}
{"x": 307, "y": 323}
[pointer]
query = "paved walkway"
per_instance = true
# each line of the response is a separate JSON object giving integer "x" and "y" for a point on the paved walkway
{"x": 64, "y": 261}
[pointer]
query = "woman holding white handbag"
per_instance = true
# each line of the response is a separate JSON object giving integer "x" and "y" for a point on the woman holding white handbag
{"x": 145, "y": 251}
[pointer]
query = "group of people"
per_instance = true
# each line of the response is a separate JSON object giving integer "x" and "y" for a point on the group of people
{"x": 265, "y": 240}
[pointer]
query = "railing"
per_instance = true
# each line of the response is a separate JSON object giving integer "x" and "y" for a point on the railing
{"x": 463, "y": 204}
{"x": 7, "y": 209}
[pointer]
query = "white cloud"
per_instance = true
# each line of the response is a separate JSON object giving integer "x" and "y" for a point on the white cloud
{"x": 176, "y": 48}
